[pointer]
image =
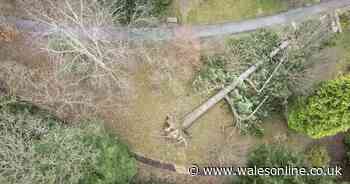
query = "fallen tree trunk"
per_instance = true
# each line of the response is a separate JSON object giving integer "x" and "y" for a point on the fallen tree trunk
{"x": 198, "y": 112}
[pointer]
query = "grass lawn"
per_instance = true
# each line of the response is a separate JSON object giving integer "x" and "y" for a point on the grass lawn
{"x": 343, "y": 45}
{"x": 214, "y": 11}
{"x": 343, "y": 42}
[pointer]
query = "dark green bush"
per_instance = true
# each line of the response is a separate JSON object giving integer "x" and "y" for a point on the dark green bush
{"x": 114, "y": 163}
{"x": 325, "y": 113}
{"x": 127, "y": 11}
{"x": 274, "y": 156}
{"x": 278, "y": 156}
{"x": 160, "y": 6}
{"x": 38, "y": 148}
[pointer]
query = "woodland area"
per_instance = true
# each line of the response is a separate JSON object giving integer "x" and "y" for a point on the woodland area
{"x": 82, "y": 101}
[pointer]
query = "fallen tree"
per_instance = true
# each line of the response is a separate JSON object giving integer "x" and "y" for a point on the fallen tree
{"x": 190, "y": 118}
{"x": 257, "y": 74}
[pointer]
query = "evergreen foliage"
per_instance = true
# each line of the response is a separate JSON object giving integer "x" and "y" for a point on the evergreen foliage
{"x": 127, "y": 11}
{"x": 38, "y": 148}
{"x": 277, "y": 156}
{"x": 325, "y": 113}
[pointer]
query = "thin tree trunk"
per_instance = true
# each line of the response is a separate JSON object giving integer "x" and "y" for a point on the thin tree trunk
{"x": 190, "y": 118}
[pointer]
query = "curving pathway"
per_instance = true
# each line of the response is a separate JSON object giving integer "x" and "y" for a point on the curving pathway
{"x": 199, "y": 31}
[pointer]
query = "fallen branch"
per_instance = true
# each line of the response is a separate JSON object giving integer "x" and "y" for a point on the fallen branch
{"x": 255, "y": 111}
{"x": 273, "y": 73}
{"x": 237, "y": 118}
{"x": 198, "y": 112}
{"x": 337, "y": 20}
{"x": 252, "y": 85}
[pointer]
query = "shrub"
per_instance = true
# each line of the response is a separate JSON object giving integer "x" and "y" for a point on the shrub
{"x": 345, "y": 20}
{"x": 127, "y": 11}
{"x": 325, "y": 113}
{"x": 37, "y": 148}
{"x": 63, "y": 156}
{"x": 278, "y": 156}
{"x": 317, "y": 156}
{"x": 114, "y": 163}
{"x": 160, "y": 7}
{"x": 274, "y": 156}
{"x": 20, "y": 125}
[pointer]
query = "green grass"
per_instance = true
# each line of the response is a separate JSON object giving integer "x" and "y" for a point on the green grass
{"x": 344, "y": 47}
{"x": 214, "y": 11}
{"x": 342, "y": 42}
{"x": 224, "y": 10}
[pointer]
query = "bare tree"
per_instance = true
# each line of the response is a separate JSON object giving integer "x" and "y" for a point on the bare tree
{"x": 76, "y": 31}
{"x": 84, "y": 72}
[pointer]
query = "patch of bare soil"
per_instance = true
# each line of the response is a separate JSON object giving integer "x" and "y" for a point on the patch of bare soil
{"x": 336, "y": 149}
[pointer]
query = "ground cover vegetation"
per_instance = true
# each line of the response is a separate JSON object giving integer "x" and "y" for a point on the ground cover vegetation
{"x": 343, "y": 40}
{"x": 38, "y": 148}
{"x": 213, "y": 11}
{"x": 273, "y": 156}
{"x": 223, "y": 10}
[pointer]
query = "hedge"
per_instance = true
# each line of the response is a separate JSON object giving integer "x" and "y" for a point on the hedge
{"x": 325, "y": 113}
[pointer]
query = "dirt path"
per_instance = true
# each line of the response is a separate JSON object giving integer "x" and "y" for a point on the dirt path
{"x": 200, "y": 31}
